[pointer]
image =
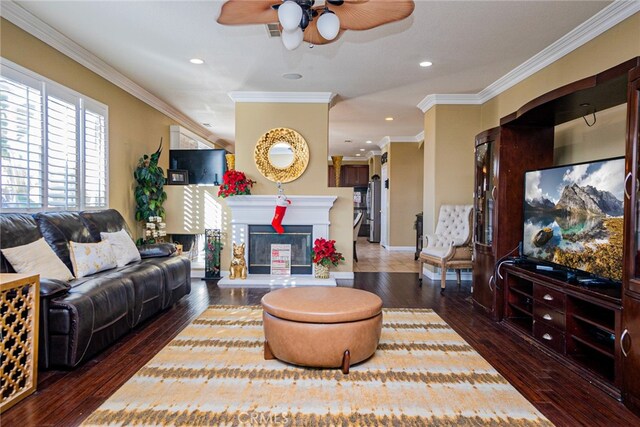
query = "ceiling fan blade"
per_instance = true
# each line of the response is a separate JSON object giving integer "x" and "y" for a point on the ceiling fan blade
{"x": 312, "y": 35}
{"x": 242, "y": 12}
{"x": 356, "y": 15}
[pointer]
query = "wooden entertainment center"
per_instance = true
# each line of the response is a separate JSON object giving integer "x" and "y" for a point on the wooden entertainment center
{"x": 594, "y": 330}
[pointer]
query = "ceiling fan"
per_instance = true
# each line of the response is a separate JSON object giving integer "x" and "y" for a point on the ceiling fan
{"x": 315, "y": 21}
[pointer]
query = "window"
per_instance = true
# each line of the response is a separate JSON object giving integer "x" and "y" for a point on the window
{"x": 54, "y": 145}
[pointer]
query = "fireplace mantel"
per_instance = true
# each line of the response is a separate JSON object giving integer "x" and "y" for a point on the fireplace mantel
{"x": 303, "y": 210}
{"x": 259, "y": 210}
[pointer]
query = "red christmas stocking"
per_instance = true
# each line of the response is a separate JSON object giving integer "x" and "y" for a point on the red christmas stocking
{"x": 276, "y": 223}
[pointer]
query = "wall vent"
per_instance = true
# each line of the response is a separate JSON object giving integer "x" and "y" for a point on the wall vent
{"x": 273, "y": 30}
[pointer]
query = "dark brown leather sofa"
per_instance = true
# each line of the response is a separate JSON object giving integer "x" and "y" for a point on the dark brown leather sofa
{"x": 82, "y": 317}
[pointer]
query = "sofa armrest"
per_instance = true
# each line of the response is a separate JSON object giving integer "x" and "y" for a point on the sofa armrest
{"x": 51, "y": 287}
{"x": 157, "y": 250}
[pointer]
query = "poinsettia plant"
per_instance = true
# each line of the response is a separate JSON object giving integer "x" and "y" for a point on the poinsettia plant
{"x": 235, "y": 183}
{"x": 324, "y": 252}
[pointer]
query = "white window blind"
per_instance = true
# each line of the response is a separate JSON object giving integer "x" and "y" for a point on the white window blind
{"x": 54, "y": 145}
{"x": 95, "y": 160}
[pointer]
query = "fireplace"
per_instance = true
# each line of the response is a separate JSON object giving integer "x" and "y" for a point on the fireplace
{"x": 261, "y": 237}
{"x": 251, "y": 215}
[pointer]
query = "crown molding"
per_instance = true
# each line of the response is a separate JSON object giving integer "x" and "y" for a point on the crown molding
{"x": 449, "y": 99}
{"x": 283, "y": 97}
{"x": 373, "y": 153}
{"x": 384, "y": 142}
{"x": 420, "y": 137}
{"x": 602, "y": 21}
{"x": 49, "y": 35}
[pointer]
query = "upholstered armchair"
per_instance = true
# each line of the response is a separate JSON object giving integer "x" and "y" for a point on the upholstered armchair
{"x": 450, "y": 246}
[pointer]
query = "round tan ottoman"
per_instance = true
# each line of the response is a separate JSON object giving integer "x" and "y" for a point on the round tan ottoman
{"x": 321, "y": 326}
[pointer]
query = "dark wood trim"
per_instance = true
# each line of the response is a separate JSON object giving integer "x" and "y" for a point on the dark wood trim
{"x": 602, "y": 90}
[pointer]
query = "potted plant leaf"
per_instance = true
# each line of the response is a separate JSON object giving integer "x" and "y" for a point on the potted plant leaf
{"x": 149, "y": 192}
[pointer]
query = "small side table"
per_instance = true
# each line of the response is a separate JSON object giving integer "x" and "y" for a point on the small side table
{"x": 19, "y": 309}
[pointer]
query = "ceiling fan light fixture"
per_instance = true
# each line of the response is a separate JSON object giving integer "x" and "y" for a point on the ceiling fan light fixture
{"x": 289, "y": 15}
{"x": 328, "y": 25}
{"x": 292, "y": 39}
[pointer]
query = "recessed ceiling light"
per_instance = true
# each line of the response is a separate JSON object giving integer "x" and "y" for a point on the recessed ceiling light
{"x": 369, "y": 142}
{"x": 389, "y": 119}
{"x": 426, "y": 64}
{"x": 347, "y": 141}
{"x": 208, "y": 125}
{"x": 362, "y": 149}
{"x": 358, "y": 154}
{"x": 196, "y": 61}
{"x": 292, "y": 76}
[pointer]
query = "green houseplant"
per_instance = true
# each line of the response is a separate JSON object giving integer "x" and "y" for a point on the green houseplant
{"x": 149, "y": 193}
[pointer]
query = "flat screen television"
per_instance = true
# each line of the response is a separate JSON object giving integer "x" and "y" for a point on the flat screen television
{"x": 204, "y": 166}
{"x": 573, "y": 217}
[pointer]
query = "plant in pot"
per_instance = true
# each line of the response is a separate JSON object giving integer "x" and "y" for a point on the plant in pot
{"x": 323, "y": 254}
{"x": 149, "y": 192}
{"x": 235, "y": 183}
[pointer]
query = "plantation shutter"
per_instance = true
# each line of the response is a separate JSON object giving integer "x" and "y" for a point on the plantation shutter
{"x": 95, "y": 159}
{"x": 54, "y": 145}
{"x": 62, "y": 154}
{"x": 21, "y": 143}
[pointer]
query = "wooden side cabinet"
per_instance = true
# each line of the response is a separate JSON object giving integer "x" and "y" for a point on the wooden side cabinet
{"x": 19, "y": 306}
{"x": 350, "y": 176}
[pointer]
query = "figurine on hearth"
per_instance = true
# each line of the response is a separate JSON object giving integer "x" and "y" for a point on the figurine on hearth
{"x": 281, "y": 207}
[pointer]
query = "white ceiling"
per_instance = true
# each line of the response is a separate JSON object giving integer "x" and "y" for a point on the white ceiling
{"x": 374, "y": 73}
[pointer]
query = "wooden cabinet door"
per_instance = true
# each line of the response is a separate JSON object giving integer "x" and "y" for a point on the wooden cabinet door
{"x": 362, "y": 175}
{"x": 332, "y": 176}
{"x": 484, "y": 282}
{"x": 630, "y": 348}
{"x": 630, "y": 336}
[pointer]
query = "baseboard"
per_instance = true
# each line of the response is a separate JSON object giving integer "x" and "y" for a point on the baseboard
{"x": 341, "y": 274}
{"x": 197, "y": 272}
{"x": 465, "y": 275}
{"x": 400, "y": 248}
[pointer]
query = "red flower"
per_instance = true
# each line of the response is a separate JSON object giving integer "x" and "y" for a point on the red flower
{"x": 324, "y": 252}
{"x": 235, "y": 183}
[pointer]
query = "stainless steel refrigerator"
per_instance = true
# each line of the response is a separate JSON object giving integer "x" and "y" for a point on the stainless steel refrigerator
{"x": 373, "y": 210}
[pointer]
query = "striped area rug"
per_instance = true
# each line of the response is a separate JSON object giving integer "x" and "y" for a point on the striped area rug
{"x": 213, "y": 373}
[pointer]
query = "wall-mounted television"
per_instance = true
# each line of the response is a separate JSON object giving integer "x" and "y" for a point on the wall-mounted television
{"x": 573, "y": 217}
{"x": 204, "y": 166}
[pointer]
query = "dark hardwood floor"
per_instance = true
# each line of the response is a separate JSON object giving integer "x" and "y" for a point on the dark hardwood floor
{"x": 65, "y": 398}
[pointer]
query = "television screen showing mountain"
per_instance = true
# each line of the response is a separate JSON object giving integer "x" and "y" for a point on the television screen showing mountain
{"x": 573, "y": 216}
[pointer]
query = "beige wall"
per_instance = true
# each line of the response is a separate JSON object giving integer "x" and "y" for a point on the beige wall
{"x": 448, "y": 158}
{"x": 450, "y": 129}
{"x": 374, "y": 166}
{"x": 405, "y": 191}
{"x": 576, "y": 142}
{"x": 609, "y": 49}
{"x": 429, "y": 171}
{"x": 312, "y": 122}
{"x": 135, "y": 128}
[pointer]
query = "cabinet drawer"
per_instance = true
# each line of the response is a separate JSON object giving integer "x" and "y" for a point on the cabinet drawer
{"x": 548, "y": 315}
{"x": 549, "y": 296}
{"x": 549, "y": 336}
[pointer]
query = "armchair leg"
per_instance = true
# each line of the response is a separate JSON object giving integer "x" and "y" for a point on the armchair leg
{"x": 458, "y": 276}
{"x": 420, "y": 274}
{"x": 443, "y": 279}
{"x": 355, "y": 254}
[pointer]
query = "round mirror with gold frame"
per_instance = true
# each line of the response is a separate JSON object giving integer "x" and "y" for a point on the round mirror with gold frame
{"x": 281, "y": 155}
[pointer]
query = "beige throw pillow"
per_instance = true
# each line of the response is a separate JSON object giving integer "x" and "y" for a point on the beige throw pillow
{"x": 122, "y": 246}
{"x": 90, "y": 258}
{"x": 37, "y": 258}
